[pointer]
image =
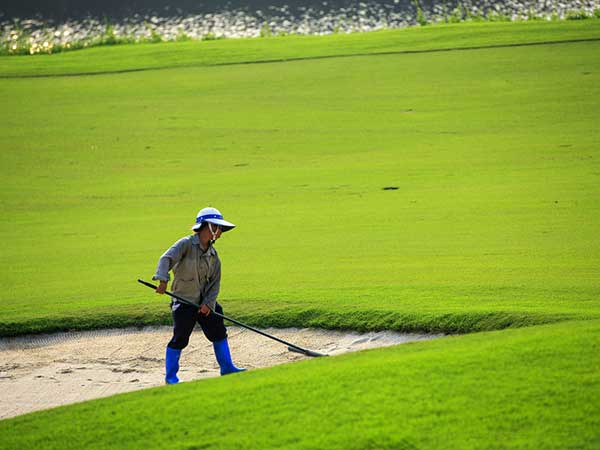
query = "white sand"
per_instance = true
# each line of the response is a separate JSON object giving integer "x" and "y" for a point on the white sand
{"x": 44, "y": 371}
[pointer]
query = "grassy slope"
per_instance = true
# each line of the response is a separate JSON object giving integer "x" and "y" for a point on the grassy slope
{"x": 152, "y": 56}
{"x": 494, "y": 223}
{"x": 531, "y": 388}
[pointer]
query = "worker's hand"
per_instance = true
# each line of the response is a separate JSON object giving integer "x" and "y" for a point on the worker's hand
{"x": 162, "y": 287}
{"x": 204, "y": 310}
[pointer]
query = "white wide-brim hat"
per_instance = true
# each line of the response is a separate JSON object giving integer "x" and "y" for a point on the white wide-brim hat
{"x": 212, "y": 215}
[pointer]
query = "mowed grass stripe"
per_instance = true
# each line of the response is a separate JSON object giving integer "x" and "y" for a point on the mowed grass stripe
{"x": 493, "y": 225}
{"x": 131, "y": 58}
{"x": 301, "y": 58}
{"x": 528, "y": 388}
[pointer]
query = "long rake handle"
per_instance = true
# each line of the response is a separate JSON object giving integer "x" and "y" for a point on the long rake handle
{"x": 291, "y": 347}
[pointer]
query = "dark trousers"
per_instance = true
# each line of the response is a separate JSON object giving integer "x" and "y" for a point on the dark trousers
{"x": 185, "y": 318}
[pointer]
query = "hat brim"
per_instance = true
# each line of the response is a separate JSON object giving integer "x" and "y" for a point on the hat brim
{"x": 225, "y": 226}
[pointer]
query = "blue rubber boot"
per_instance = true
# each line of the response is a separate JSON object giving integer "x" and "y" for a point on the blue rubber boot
{"x": 224, "y": 357}
{"x": 172, "y": 365}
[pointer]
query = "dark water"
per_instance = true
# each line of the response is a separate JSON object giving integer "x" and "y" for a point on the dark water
{"x": 61, "y": 10}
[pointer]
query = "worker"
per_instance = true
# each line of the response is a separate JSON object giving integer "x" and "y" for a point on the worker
{"x": 197, "y": 277}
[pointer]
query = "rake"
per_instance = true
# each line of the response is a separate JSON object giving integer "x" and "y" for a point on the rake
{"x": 291, "y": 347}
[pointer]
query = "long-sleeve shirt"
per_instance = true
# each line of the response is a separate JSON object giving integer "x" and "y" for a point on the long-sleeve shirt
{"x": 197, "y": 273}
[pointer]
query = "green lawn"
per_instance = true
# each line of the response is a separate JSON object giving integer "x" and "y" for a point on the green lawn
{"x": 235, "y": 51}
{"x": 530, "y": 388}
{"x": 495, "y": 154}
{"x": 494, "y": 223}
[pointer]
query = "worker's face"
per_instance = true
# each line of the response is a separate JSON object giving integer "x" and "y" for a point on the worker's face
{"x": 216, "y": 229}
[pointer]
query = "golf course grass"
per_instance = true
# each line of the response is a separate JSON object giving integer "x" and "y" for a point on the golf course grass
{"x": 446, "y": 191}
{"x": 527, "y": 388}
{"x": 442, "y": 37}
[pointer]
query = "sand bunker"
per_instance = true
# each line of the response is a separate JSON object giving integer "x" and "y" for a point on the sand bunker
{"x": 40, "y": 372}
